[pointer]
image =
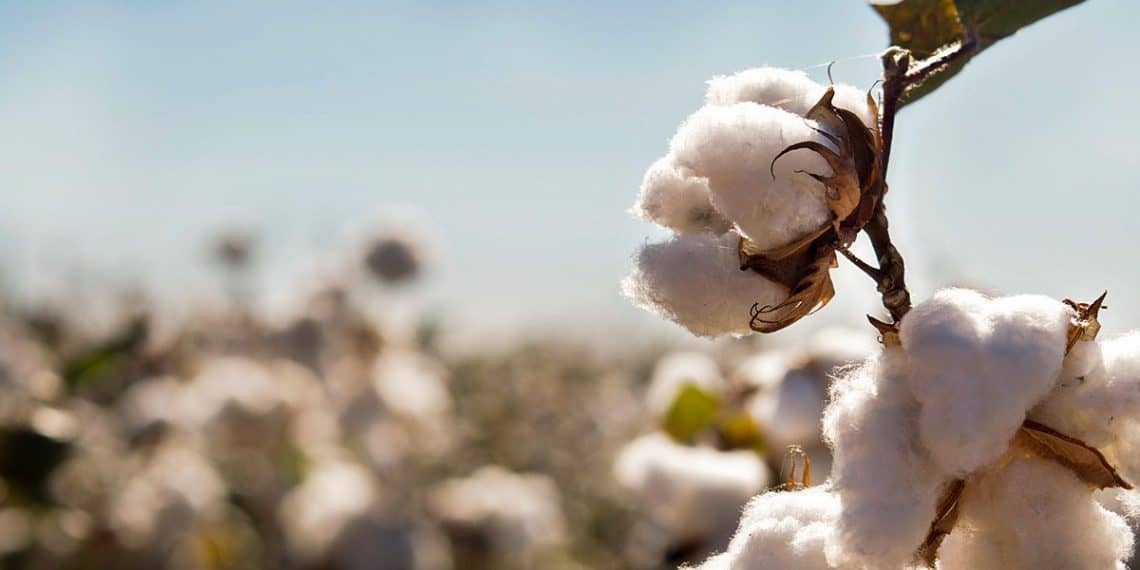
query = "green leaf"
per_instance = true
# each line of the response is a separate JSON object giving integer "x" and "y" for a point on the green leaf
{"x": 925, "y": 26}
{"x": 692, "y": 411}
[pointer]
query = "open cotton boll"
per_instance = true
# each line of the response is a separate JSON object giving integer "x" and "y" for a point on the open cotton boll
{"x": 786, "y": 89}
{"x": 977, "y": 366}
{"x": 783, "y": 530}
{"x": 1034, "y": 513}
{"x": 673, "y": 197}
{"x": 675, "y": 371}
{"x": 314, "y": 513}
{"x": 696, "y": 282}
{"x": 695, "y": 492}
{"x": 734, "y": 146}
{"x": 796, "y": 410}
{"x": 411, "y": 384}
{"x": 887, "y": 483}
{"x": 517, "y": 513}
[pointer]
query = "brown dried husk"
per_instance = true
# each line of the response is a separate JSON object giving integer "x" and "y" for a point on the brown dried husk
{"x": 853, "y": 190}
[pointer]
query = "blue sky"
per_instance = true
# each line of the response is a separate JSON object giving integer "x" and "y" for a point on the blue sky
{"x": 130, "y": 130}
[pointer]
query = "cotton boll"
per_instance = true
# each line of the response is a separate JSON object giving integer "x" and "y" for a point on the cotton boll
{"x": 315, "y": 513}
{"x": 518, "y": 514}
{"x": 673, "y": 197}
{"x": 786, "y": 89}
{"x": 696, "y": 282}
{"x": 1034, "y": 513}
{"x": 977, "y": 366}
{"x": 836, "y": 345}
{"x": 695, "y": 492}
{"x": 411, "y": 384}
{"x": 674, "y": 372}
{"x": 765, "y": 371}
{"x": 798, "y": 406}
{"x": 734, "y": 146}
{"x": 783, "y": 530}
{"x": 887, "y": 483}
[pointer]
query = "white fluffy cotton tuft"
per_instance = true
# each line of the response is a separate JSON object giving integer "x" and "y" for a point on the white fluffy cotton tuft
{"x": 887, "y": 483}
{"x": 1034, "y": 513}
{"x": 782, "y": 530}
{"x": 787, "y": 89}
{"x": 673, "y": 197}
{"x": 733, "y": 147}
{"x": 695, "y": 492}
{"x": 696, "y": 282}
{"x": 977, "y": 366}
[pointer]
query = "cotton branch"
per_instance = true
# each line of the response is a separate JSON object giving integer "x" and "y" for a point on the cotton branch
{"x": 901, "y": 72}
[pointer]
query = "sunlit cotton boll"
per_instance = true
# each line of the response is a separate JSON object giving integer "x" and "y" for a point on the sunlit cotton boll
{"x": 334, "y": 495}
{"x": 1034, "y": 513}
{"x": 696, "y": 281}
{"x": 518, "y": 514}
{"x": 977, "y": 365}
{"x": 411, "y": 384}
{"x": 886, "y": 481}
{"x": 787, "y": 89}
{"x": 782, "y": 530}
{"x": 672, "y": 196}
{"x": 734, "y": 147}
{"x": 675, "y": 371}
{"x": 696, "y": 493}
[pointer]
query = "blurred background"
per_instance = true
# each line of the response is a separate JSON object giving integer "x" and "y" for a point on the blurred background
{"x": 336, "y": 286}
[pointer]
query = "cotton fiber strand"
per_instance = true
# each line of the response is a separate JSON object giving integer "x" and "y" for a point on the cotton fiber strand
{"x": 696, "y": 282}
{"x": 977, "y": 366}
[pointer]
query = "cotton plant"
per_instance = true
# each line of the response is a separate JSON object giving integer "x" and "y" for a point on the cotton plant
{"x": 986, "y": 432}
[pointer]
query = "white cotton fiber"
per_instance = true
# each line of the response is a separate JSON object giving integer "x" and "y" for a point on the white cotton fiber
{"x": 886, "y": 482}
{"x": 786, "y": 89}
{"x": 1034, "y": 513}
{"x": 796, "y": 409}
{"x": 695, "y": 492}
{"x": 977, "y": 365}
{"x": 696, "y": 282}
{"x": 673, "y": 197}
{"x": 782, "y": 530}
{"x": 733, "y": 147}
{"x": 673, "y": 372}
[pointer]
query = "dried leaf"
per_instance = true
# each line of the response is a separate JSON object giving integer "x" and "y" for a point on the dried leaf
{"x": 813, "y": 290}
{"x": 1087, "y": 462}
{"x": 1085, "y": 324}
{"x": 944, "y": 520}
{"x": 888, "y": 333}
{"x": 925, "y": 26}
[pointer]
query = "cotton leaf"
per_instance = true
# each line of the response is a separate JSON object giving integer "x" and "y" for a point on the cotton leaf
{"x": 925, "y": 26}
{"x": 692, "y": 411}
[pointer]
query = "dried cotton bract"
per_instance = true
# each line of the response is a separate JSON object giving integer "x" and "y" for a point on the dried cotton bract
{"x": 760, "y": 186}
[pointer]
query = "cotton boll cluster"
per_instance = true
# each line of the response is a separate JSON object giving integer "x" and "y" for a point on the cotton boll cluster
{"x": 922, "y": 421}
{"x": 496, "y": 515}
{"x": 721, "y": 182}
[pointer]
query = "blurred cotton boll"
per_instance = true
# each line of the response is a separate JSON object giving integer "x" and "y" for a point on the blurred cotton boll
{"x": 677, "y": 370}
{"x": 507, "y": 518}
{"x": 693, "y": 494}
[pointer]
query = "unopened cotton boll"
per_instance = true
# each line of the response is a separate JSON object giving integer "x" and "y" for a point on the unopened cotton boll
{"x": 783, "y": 530}
{"x": 734, "y": 146}
{"x": 1034, "y": 513}
{"x": 674, "y": 372}
{"x": 673, "y": 197}
{"x": 696, "y": 281}
{"x": 887, "y": 483}
{"x": 977, "y": 366}
{"x": 696, "y": 492}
